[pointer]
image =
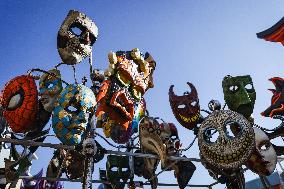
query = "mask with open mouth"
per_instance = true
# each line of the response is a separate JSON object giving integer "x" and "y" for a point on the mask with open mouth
{"x": 239, "y": 94}
{"x": 277, "y": 100}
{"x": 185, "y": 108}
{"x": 76, "y": 37}
{"x": 50, "y": 86}
{"x": 122, "y": 92}
{"x": 71, "y": 113}
{"x": 226, "y": 139}
{"x": 263, "y": 160}
{"x": 19, "y": 100}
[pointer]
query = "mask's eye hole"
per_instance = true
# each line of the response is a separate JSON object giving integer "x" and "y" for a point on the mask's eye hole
{"x": 249, "y": 87}
{"x": 15, "y": 101}
{"x": 114, "y": 169}
{"x": 233, "y": 88}
{"x": 211, "y": 135}
{"x": 194, "y": 103}
{"x": 233, "y": 129}
{"x": 124, "y": 169}
{"x": 71, "y": 109}
{"x": 181, "y": 106}
{"x": 49, "y": 85}
{"x": 75, "y": 30}
{"x": 264, "y": 146}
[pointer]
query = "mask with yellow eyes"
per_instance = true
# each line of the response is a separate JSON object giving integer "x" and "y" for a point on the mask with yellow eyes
{"x": 71, "y": 113}
{"x": 130, "y": 76}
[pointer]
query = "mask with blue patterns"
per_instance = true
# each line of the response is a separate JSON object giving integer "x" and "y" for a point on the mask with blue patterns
{"x": 71, "y": 113}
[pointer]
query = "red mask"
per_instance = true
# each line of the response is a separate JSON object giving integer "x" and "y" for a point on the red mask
{"x": 185, "y": 108}
{"x": 19, "y": 99}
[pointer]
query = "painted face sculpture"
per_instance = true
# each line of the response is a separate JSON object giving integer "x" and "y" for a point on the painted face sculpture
{"x": 239, "y": 94}
{"x": 50, "y": 86}
{"x": 76, "y": 37}
{"x": 74, "y": 164}
{"x": 226, "y": 139}
{"x": 264, "y": 158}
{"x": 19, "y": 100}
{"x": 122, "y": 92}
{"x": 277, "y": 100}
{"x": 185, "y": 108}
{"x": 117, "y": 170}
{"x": 151, "y": 139}
{"x": 71, "y": 113}
{"x": 170, "y": 138}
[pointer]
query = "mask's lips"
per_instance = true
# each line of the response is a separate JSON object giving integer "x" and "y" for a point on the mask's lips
{"x": 276, "y": 106}
{"x": 120, "y": 101}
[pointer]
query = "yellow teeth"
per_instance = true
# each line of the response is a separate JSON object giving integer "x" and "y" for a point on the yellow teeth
{"x": 190, "y": 119}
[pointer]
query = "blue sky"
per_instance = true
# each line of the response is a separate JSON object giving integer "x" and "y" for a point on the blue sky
{"x": 195, "y": 41}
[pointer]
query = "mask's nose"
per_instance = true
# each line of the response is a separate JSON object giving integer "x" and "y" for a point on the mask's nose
{"x": 85, "y": 38}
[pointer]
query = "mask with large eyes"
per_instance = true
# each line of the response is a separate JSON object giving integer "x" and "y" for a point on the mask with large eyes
{"x": 76, "y": 37}
{"x": 50, "y": 86}
{"x": 185, "y": 108}
{"x": 71, "y": 113}
{"x": 19, "y": 100}
{"x": 263, "y": 160}
{"x": 120, "y": 97}
{"x": 239, "y": 94}
{"x": 117, "y": 170}
{"x": 226, "y": 139}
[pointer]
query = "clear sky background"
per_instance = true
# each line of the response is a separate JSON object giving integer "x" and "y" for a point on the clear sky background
{"x": 195, "y": 41}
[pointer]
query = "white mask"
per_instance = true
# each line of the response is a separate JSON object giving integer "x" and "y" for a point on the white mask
{"x": 264, "y": 158}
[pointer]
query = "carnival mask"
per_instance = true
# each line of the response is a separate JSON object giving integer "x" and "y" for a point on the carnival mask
{"x": 226, "y": 139}
{"x": 76, "y": 37}
{"x": 151, "y": 139}
{"x": 117, "y": 170}
{"x": 19, "y": 100}
{"x": 185, "y": 108}
{"x": 50, "y": 86}
{"x": 74, "y": 164}
{"x": 71, "y": 113}
{"x": 277, "y": 100}
{"x": 239, "y": 94}
{"x": 170, "y": 138}
{"x": 263, "y": 160}
{"x": 121, "y": 94}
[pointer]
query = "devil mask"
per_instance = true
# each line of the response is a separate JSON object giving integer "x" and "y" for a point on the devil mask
{"x": 117, "y": 170}
{"x": 50, "y": 86}
{"x": 76, "y": 37}
{"x": 239, "y": 94}
{"x": 277, "y": 100}
{"x": 19, "y": 100}
{"x": 264, "y": 158}
{"x": 71, "y": 113}
{"x": 121, "y": 94}
{"x": 185, "y": 108}
{"x": 226, "y": 139}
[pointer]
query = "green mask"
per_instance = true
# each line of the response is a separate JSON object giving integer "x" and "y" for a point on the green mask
{"x": 239, "y": 94}
{"x": 117, "y": 170}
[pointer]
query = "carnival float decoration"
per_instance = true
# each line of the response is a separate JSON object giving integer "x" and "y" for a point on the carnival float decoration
{"x": 139, "y": 144}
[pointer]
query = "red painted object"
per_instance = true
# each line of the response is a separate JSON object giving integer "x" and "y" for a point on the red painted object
{"x": 19, "y": 98}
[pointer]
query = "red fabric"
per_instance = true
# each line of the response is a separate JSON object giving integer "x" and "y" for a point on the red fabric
{"x": 24, "y": 117}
